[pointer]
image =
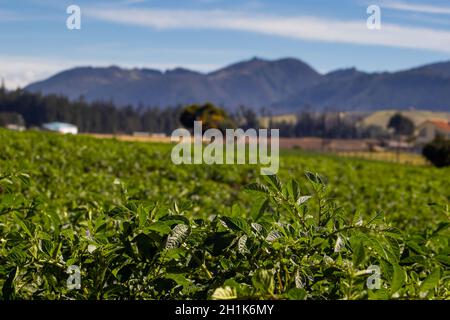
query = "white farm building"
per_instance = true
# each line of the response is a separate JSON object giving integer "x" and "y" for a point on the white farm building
{"x": 61, "y": 127}
{"x": 428, "y": 130}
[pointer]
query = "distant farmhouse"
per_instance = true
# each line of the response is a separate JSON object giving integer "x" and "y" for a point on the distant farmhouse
{"x": 429, "y": 129}
{"x": 61, "y": 127}
{"x": 15, "y": 127}
{"x": 12, "y": 121}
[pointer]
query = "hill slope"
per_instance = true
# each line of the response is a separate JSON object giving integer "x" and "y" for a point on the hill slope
{"x": 285, "y": 85}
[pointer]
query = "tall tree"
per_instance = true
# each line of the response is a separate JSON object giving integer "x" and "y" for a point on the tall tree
{"x": 212, "y": 117}
{"x": 401, "y": 125}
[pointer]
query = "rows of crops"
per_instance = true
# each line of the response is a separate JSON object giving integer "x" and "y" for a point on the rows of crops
{"x": 139, "y": 227}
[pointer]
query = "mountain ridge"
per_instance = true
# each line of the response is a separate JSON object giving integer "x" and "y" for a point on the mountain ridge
{"x": 282, "y": 85}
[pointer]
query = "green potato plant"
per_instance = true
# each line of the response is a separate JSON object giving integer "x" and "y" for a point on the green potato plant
{"x": 136, "y": 226}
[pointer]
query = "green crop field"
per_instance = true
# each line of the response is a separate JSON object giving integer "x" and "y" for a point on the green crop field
{"x": 139, "y": 227}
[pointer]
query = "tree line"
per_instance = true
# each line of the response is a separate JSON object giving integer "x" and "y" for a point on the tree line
{"x": 105, "y": 117}
{"x": 95, "y": 117}
{"x": 327, "y": 125}
{"x": 33, "y": 110}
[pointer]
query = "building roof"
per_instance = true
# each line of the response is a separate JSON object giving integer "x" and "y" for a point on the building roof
{"x": 441, "y": 125}
{"x": 56, "y": 126}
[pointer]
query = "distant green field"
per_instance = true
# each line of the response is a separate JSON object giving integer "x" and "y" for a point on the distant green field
{"x": 140, "y": 227}
{"x": 378, "y": 118}
{"x": 381, "y": 118}
{"x": 287, "y": 118}
{"x": 389, "y": 156}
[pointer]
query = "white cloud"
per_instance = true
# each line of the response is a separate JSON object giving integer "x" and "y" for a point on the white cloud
{"x": 422, "y": 8}
{"x": 19, "y": 71}
{"x": 304, "y": 28}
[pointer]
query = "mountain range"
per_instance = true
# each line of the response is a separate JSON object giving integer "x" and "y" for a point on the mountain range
{"x": 284, "y": 85}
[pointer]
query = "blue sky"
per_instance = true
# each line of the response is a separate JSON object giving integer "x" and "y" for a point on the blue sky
{"x": 207, "y": 34}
